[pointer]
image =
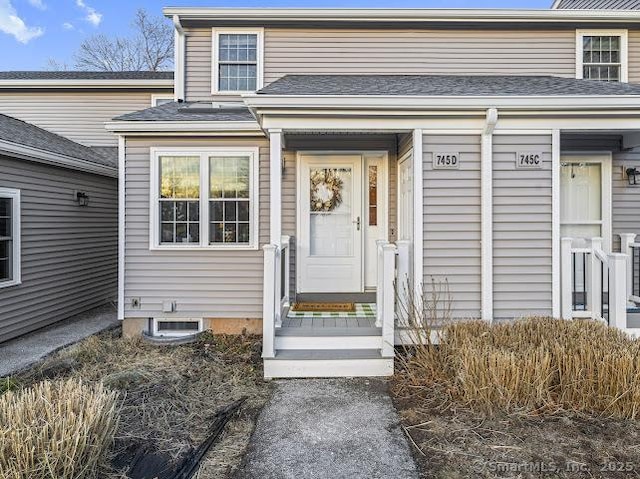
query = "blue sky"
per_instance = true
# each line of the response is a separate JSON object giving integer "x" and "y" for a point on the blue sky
{"x": 32, "y": 31}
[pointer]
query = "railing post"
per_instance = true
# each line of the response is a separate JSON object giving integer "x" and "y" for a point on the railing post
{"x": 388, "y": 303}
{"x": 286, "y": 244}
{"x": 626, "y": 239}
{"x": 565, "y": 276}
{"x": 379, "y": 282}
{"x": 618, "y": 291}
{"x": 268, "y": 302}
{"x": 594, "y": 281}
{"x": 403, "y": 279}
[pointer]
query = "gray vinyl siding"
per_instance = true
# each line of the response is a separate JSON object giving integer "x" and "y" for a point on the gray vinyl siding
{"x": 77, "y": 115}
{"x": 69, "y": 253}
{"x": 330, "y": 143}
{"x": 522, "y": 229}
{"x": 204, "y": 283}
{"x": 393, "y": 51}
{"x": 452, "y": 222}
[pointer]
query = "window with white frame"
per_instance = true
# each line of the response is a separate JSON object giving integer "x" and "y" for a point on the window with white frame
{"x": 9, "y": 237}
{"x": 237, "y": 62}
{"x": 205, "y": 199}
{"x": 602, "y": 55}
{"x": 157, "y": 100}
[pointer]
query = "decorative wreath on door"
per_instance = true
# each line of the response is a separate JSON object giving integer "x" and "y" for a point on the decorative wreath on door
{"x": 326, "y": 190}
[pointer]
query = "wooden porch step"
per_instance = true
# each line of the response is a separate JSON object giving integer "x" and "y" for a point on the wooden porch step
{"x": 327, "y": 363}
{"x": 328, "y": 338}
{"x": 302, "y": 331}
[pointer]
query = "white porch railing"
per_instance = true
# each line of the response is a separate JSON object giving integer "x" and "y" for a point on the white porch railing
{"x": 275, "y": 301}
{"x": 386, "y": 296}
{"x": 594, "y": 283}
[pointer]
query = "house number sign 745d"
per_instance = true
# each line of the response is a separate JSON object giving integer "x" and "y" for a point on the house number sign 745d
{"x": 444, "y": 160}
{"x": 529, "y": 159}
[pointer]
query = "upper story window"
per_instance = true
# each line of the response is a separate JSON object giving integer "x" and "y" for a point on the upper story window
{"x": 157, "y": 100}
{"x": 9, "y": 237}
{"x": 204, "y": 198}
{"x": 237, "y": 61}
{"x": 601, "y": 55}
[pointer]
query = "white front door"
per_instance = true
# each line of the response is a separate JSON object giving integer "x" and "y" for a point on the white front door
{"x": 330, "y": 224}
{"x": 585, "y": 198}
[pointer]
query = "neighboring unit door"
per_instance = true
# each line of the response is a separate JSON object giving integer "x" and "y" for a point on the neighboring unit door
{"x": 585, "y": 199}
{"x": 405, "y": 198}
{"x": 330, "y": 224}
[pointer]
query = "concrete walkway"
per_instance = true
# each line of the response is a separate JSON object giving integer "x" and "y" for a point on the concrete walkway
{"x": 20, "y": 353}
{"x": 329, "y": 428}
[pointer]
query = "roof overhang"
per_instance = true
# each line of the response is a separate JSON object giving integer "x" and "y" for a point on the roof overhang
{"x": 217, "y": 128}
{"x": 260, "y": 103}
{"x": 55, "y": 159}
{"x": 399, "y": 15}
{"x": 156, "y": 84}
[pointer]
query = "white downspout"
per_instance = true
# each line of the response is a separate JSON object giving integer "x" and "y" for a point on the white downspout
{"x": 179, "y": 52}
{"x": 486, "y": 201}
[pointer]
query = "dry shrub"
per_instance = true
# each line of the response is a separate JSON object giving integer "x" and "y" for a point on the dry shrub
{"x": 56, "y": 430}
{"x": 533, "y": 364}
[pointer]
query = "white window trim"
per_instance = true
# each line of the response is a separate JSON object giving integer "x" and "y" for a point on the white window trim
{"x": 624, "y": 50}
{"x": 14, "y": 195}
{"x": 161, "y": 96}
{"x": 215, "y": 33}
{"x": 204, "y": 154}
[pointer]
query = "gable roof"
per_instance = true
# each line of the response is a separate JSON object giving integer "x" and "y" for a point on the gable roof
{"x": 29, "y": 141}
{"x": 444, "y": 85}
{"x": 596, "y": 5}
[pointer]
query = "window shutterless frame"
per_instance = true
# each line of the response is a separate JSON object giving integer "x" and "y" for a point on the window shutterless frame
{"x": 624, "y": 50}
{"x": 215, "y": 74}
{"x": 15, "y": 266}
{"x": 204, "y": 154}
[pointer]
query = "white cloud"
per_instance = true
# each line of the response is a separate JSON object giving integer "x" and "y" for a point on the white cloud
{"x": 12, "y": 24}
{"x": 38, "y": 4}
{"x": 93, "y": 17}
{"x": 68, "y": 26}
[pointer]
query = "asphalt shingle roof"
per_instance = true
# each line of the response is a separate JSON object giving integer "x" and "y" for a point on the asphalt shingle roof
{"x": 20, "y": 132}
{"x": 443, "y": 85}
{"x": 598, "y": 5}
{"x": 82, "y": 75}
{"x": 190, "y": 111}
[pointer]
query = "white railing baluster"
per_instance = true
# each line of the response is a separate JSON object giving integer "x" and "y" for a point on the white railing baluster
{"x": 626, "y": 242}
{"x": 269, "y": 302}
{"x": 594, "y": 280}
{"x": 285, "y": 302}
{"x": 388, "y": 300}
{"x": 566, "y": 278}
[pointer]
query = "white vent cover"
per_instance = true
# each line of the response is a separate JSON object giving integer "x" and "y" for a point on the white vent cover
{"x": 175, "y": 327}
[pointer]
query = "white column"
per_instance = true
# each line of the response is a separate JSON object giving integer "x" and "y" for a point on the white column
{"x": 269, "y": 302}
{"x": 418, "y": 215}
{"x": 566, "y": 278}
{"x": 618, "y": 291}
{"x": 388, "y": 301}
{"x": 555, "y": 223}
{"x": 626, "y": 239}
{"x": 486, "y": 246}
{"x": 275, "y": 186}
{"x": 121, "y": 222}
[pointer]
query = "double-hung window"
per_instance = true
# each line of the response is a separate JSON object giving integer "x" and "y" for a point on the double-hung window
{"x": 9, "y": 237}
{"x": 602, "y": 55}
{"x": 237, "y": 61}
{"x": 204, "y": 198}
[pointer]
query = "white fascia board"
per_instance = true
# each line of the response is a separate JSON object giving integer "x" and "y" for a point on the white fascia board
{"x": 400, "y": 15}
{"x": 233, "y": 127}
{"x": 100, "y": 84}
{"x": 397, "y": 102}
{"x": 55, "y": 159}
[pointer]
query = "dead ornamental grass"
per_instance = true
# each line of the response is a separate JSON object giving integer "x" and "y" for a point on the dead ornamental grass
{"x": 534, "y": 364}
{"x": 56, "y": 430}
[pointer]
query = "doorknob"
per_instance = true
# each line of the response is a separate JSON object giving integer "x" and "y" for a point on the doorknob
{"x": 357, "y": 222}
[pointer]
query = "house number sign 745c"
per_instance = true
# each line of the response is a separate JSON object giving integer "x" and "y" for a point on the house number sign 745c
{"x": 446, "y": 160}
{"x": 529, "y": 159}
